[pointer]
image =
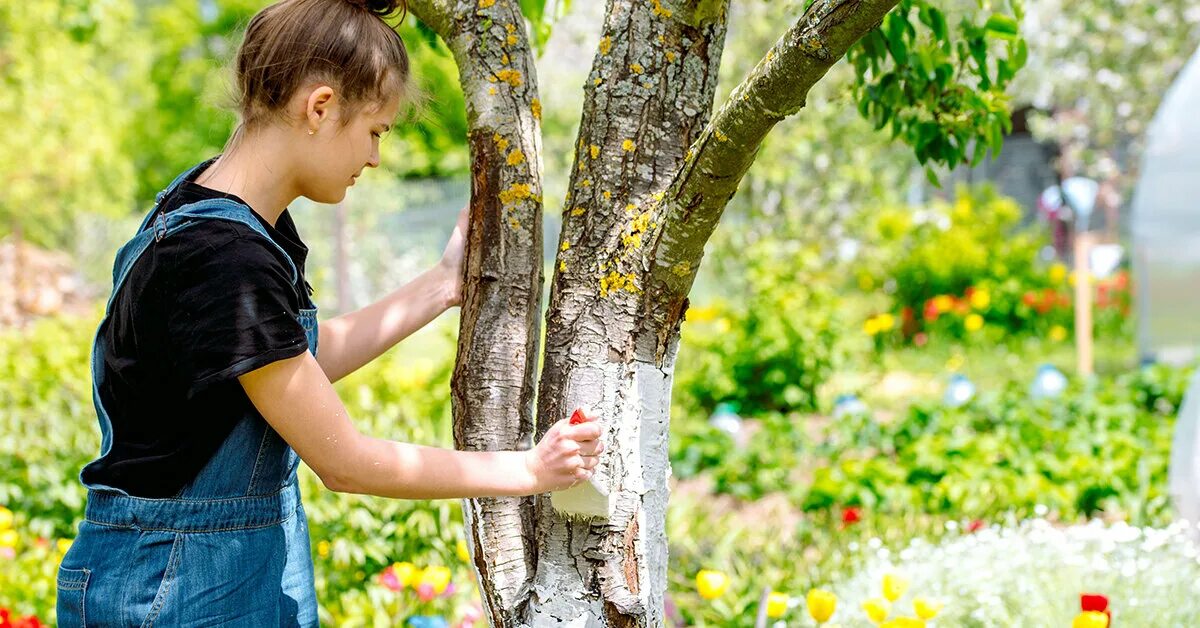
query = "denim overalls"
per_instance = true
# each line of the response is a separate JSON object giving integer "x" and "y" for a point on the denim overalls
{"x": 232, "y": 547}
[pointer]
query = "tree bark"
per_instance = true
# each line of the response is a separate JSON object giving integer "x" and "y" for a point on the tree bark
{"x": 492, "y": 385}
{"x": 640, "y": 207}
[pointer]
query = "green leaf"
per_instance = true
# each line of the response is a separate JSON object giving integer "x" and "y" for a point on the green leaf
{"x": 1002, "y": 26}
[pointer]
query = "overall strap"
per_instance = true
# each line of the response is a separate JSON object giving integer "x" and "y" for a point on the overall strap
{"x": 165, "y": 225}
{"x": 158, "y": 198}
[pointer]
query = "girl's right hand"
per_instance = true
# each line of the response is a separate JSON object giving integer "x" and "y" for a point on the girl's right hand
{"x": 566, "y": 455}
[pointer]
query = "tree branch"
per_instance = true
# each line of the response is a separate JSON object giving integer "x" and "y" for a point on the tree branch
{"x": 716, "y": 163}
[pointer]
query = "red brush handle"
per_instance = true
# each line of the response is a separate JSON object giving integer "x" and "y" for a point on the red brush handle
{"x": 578, "y": 417}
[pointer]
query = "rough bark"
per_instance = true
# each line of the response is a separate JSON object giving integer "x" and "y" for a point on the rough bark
{"x": 492, "y": 385}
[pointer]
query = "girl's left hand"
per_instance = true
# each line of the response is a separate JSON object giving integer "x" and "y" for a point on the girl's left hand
{"x": 452, "y": 258}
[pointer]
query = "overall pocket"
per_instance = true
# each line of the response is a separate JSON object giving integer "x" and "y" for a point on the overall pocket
{"x": 72, "y": 585}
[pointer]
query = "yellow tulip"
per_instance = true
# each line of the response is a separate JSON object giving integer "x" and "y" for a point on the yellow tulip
{"x": 894, "y": 586}
{"x": 8, "y": 538}
{"x": 6, "y": 518}
{"x": 406, "y": 573}
{"x": 777, "y": 604}
{"x": 463, "y": 554}
{"x": 886, "y": 322}
{"x": 1058, "y": 333}
{"x": 821, "y": 604}
{"x": 436, "y": 576}
{"x": 903, "y": 622}
{"x": 871, "y": 327}
{"x": 1058, "y": 272}
{"x": 63, "y": 545}
{"x": 944, "y": 303}
{"x": 323, "y": 549}
{"x": 711, "y": 584}
{"x": 973, "y": 322}
{"x": 980, "y": 299}
{"x": 927, "y": 608}
{"x": 877, "y": 609}
{"x": 1090, "y": 619}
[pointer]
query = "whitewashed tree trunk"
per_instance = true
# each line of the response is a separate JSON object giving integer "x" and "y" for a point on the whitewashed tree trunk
{"x": 652, "y": 175}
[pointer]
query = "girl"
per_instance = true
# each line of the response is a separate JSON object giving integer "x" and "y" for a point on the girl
{"x": 208, "y": 384}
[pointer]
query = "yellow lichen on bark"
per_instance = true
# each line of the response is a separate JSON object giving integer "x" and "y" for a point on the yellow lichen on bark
{"x": 501, "y": 143}
{"x": 516, "y": 157}
{"x": 605, "y": 45}
{"x": 594, "y": 151}
{"x": 515, "y": 192}
{"x": 510, "y": 76}
{"x": 629, "y": 146}
{"x": 615, "y": 281}
{"x": 659, "y": 10}
{"x": 536, "y": 107}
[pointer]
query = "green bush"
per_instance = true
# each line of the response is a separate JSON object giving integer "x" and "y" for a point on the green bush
{"x": 969, "y": 270}
{"x": 771, "y": 345}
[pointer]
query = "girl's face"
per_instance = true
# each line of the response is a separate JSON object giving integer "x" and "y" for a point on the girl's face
{"x": 331, "y": 157}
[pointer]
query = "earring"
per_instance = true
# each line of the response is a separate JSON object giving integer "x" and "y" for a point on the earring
{"x": 310, "y": 131}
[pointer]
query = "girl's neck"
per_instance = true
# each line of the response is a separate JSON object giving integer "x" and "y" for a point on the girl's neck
{"x": 254, "y": 171}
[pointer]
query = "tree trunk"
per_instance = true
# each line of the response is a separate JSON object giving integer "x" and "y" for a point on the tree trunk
{"x": 492, "y": 384}
{"x": 648, "y": 97}
{"x": 651, "y": 178}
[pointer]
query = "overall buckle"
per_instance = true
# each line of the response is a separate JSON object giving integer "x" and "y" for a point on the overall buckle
{"x": 160, "y": 228}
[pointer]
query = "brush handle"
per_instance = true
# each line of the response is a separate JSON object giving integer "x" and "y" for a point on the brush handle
{"x": 578, "y": 417}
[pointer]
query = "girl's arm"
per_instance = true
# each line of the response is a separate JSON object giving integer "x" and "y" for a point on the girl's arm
{"x": 355, "y": 338}
{"x": 296, "y": 398}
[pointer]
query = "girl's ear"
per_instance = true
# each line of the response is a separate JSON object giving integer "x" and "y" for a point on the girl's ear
{"x": 318, "y": 107}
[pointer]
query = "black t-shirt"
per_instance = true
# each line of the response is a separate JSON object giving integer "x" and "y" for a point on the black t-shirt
{"x": 198, "y": 309}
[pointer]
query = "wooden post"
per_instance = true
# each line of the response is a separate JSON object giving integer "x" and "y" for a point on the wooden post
{"x": 1083, "y": 303}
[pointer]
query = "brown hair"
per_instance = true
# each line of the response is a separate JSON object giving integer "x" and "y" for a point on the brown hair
{"x": 345, "y": 43}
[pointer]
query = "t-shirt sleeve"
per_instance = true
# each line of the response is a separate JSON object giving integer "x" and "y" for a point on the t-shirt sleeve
{"x": 236, "y": 310}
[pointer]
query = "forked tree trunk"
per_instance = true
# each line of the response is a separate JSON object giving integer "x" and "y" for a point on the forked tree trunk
{"x": 652, "y": 175}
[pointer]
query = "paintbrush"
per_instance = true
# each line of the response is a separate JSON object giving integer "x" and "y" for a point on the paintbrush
{"x": 589, "y": 498}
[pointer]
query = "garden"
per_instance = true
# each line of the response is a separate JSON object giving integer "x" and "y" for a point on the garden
{"x": 877, "y": 416}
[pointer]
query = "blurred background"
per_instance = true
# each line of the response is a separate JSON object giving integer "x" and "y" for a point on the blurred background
{"x": 971, "y": 389}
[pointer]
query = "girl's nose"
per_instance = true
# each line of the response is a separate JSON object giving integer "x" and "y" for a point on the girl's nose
{"x": 373, "y": 160}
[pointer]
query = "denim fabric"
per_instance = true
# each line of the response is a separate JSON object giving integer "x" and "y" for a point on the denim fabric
{"x": 232, "y": 548}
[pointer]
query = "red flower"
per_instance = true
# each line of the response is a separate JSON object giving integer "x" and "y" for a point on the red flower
{"x": 29, "y": 621}
{"x": 1093, "y": 602}
{"x": 970, "y": 292}
{"x": 1029, "y": 298}
{"x": 906, "y": 314}
{"x": 931, "y": 312}
{"x": 975, "y": 525}
{"x": 850, "y": 516}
